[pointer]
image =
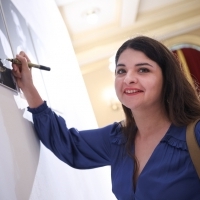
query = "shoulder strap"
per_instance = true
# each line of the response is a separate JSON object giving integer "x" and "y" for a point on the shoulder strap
{"x": 193, "y": 146}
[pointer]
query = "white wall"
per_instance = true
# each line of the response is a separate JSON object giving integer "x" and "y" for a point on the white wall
{"x": 28, "y": 170}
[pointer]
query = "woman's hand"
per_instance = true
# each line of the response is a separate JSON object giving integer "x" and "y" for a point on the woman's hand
{"x": 22, "y": 73}
{"x": 24, "y": 80}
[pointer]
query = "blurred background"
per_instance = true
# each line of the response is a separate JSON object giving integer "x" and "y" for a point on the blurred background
{"x": 98, "y": 27}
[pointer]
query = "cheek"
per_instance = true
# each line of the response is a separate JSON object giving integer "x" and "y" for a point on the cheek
{"x": 117, "y": 87}
{"x": 158, "y": 86}
{"x": 153, "y": 85}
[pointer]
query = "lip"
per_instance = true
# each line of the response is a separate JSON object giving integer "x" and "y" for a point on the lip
{"x": 132, "y": 91}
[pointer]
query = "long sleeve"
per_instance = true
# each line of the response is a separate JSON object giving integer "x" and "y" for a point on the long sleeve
{"x": 79, "y": 149}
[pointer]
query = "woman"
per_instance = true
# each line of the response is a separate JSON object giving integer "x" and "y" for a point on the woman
{"x": 147, "y": 152}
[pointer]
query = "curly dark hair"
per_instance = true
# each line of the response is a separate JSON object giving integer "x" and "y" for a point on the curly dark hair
{"x": 180, "y": 99}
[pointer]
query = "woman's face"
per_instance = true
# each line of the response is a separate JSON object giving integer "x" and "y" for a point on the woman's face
{"x": 138, "y": 81}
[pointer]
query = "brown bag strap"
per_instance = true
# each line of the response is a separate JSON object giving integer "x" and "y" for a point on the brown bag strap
{"x": 193, "y": 146}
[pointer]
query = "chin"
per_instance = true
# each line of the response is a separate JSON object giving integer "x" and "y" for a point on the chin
{"x": 132, "y": 107}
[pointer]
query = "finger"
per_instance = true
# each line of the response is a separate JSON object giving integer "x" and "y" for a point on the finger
{"x": 23, "y": 61}
{"x": 16, "y": 67}
{"x": 23, "y": 54}
{"x": 16, "y": 73}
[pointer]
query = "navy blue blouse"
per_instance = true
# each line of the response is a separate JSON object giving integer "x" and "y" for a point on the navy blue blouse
{"x": 168, "y": 175}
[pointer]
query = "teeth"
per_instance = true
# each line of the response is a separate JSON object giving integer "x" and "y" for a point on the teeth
{"x": 131, "y": 91}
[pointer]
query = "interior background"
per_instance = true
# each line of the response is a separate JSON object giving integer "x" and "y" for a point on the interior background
{"x": 171, "y": 21}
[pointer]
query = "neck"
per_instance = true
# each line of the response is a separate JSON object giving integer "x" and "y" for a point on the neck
{"x": 149, "y": 123}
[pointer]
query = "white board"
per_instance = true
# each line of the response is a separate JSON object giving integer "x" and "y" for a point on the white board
{"x": 19, "y": 149}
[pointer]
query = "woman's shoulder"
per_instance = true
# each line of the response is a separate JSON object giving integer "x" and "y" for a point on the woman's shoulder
{"x": 116, "y": 135}
{"x": 176, "y": 137}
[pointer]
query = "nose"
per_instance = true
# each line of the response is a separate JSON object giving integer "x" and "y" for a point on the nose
{"x": 130, "y": 77}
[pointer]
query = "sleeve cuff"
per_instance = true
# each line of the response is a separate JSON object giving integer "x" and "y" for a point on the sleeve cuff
{"x": 39, "y": 109}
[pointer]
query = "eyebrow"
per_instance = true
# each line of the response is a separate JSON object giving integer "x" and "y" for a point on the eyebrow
{"x": 137, "y": 65}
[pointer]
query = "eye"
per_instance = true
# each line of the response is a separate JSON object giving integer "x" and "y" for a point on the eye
{"x": 143, "y": 70}
{"x": 120, "y": 71}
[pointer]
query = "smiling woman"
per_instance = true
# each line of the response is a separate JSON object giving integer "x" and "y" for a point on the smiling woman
{"x": 147, "y": 151}
{"x": 138, "y": 81}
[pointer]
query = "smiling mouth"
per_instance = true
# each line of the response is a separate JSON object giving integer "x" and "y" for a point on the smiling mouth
{"x": 132, "y": 91}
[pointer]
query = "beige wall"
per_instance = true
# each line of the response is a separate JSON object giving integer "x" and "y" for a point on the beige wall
{"x": 100, "y": 84}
